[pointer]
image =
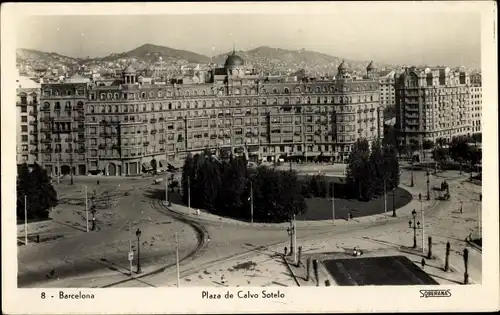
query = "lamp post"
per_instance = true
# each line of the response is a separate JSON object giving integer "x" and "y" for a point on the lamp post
{"x": 138, "y": 234}
{"x": 167, "y": 200}
{"x": 423, "y": 225}
{"x": 393, "y": 202}
{"x": 293, "y": 239}
{"x": 428, "y": 193}
{"x": 251, "y": 202}
{"x": 93, "y": 210}
{"x": 415, "y": 224}
{"x": 411, "y": 183}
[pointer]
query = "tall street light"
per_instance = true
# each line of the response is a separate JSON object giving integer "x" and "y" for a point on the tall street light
{"x": 138, "y": 234}
{"x": 415, "y": 224}
{"x": 394, "y": 202}
{"x": 423, "y": 225}
{"x": 428, "y": 182}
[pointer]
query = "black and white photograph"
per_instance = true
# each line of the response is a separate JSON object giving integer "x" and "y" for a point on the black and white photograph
{"x": 244, "y": 151}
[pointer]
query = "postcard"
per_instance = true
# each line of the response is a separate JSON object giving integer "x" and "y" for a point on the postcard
{"x": 249, "y": 157}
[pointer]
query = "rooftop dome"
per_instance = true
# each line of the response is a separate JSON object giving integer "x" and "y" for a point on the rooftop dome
{"x": 342, "y": 66}
{"x": 371, "y": 66}
{"x": 234, "y": 60}
{"x": 129, "y": 69}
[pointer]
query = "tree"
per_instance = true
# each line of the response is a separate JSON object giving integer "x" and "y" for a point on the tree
{"x": 440, "y": 155}
{"x": 230, "y": 199}
{"x": 187, "y": 176}
{"x": 379, "y": 167}
{"x": 391, "y": 167}
{"x": 154, "y": 166}
{"x": 360, "y": 171}
{"x": 40, "y": 194}
{"x": 427, "y": 145}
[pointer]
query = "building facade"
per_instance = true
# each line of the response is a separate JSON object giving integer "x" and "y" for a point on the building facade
{"x": 476, "y": 102}
{"x": 27, "y": 101}
{"x": 387, "y": 89}
{"x": 62, "y": 128}
{"x": 130, "y": 121}
{"x": 432, "y": 103}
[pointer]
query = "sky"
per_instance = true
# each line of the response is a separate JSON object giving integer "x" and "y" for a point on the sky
{"x": 450, "y": 38}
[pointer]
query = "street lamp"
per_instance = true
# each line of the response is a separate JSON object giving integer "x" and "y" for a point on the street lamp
{"x": 138, "y": 234}
{"x": 415, "y": 224}
{"x": 393, "y": 202}
{"x": 428, "y": 193}
{"x": 411, "y": 183}
{"x": 93, "y": 210}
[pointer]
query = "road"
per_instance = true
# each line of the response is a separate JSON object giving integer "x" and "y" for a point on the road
{"x": 106, "y": 263}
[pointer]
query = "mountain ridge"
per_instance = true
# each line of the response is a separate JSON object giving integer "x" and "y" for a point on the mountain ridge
{"x": 265, "y": 58}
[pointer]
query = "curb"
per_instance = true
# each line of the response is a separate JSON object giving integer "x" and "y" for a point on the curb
{"x": 203, "y": 238}
{"x": 469, "y": 241}
{"x": 291, "y": 271}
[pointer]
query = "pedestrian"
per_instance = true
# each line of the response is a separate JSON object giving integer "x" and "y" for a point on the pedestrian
{"x": 480, "y": 197}
{"x": 97, "y": 182}
{"x": 223, "y": 279}
{"x": 423, "y": 262}
{"x": 38, "y": 238}
{"x": 420, "y": 197}
{"x": 461, "y": 208}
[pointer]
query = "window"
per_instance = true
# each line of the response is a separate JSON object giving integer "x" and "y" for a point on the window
{"x": 24, "y": 109}
{"x": 24, "y": 138}
{"x": 24, "y": 128}
{"x": 24, "y": 118}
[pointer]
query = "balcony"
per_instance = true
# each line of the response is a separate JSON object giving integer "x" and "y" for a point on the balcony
{"x": 57, "y": 140}
{"x": 79, "y": 118}
{"x": 79, "y": 129}
{"x": 162, "y": 141}
{"x": 33, "y": 142}
{"x": 80, "y": 150}
{"x": 180, "y": 128}
{"x": 45, "y": 109}
{"x": 45, "y": 119}
{"x": 154, "y": 131}
{"x": 33, "y": 113}
{"x": 58, "y": 150}
{"x": 213, "y": 137}
{"x": 34, "y": 151}
{"x": 33, "y": 132}
{"x": 161, "y": 130}
{"x": 146, "y": 143}
{"x": 144, "y": 120}
{"x": 69, "y": 140}
{"x": 102, "y": 146}
{"x": 46, "y": 140}
{"x": 68, "y": 150}
{"x": 79, "y": 140}
{"x": 34, "y": 123}
{"x": 46, "y": 150}
{"x": 153, "y": 120}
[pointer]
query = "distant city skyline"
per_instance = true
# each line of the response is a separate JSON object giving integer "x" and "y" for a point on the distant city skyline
{"x": 393, "y": 37}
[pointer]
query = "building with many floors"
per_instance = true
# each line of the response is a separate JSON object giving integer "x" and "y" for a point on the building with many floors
{"x": 27, "y": 98}
{"x": 118, "y": 126}
{"x": 432, "y": 103}
{"x": 476, "y": 102}
{"x": 62, "y": 128}
{"x": 387, "y": 89}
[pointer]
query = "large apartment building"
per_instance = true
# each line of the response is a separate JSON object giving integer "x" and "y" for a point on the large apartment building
{"x": 476, "y": 102}
{"x": 432, "y": 103}
{"x": 27, "y": 98}
{"x": 62, "y": 128}
{"x": 131, "y": 120}
{"x": 387, "y": 89}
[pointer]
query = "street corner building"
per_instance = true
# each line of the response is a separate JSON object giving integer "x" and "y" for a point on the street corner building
{"x": 434, "y": 103}
{"x": 117, "y": 126}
